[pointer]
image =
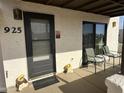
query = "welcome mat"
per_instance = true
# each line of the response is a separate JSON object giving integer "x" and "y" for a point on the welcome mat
{"x": 45, "y": 82}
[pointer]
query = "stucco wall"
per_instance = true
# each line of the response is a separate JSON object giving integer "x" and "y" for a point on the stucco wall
{"x": 112, "y": 34}
{"x": 13, "y": 45}
{"x": 2, "y": 78}
{"x": 68, "y": 22}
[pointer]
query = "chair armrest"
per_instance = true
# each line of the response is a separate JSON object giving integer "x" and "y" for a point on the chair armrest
{"x": 119, "y": 52}
{"x": 100, "y": 56}
{"x": 92, "y": 57}
{"x": 110, "y": 53}
{"x": 113, "y": 51}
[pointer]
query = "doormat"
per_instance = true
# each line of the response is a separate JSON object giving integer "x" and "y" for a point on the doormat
{"x": 45, "y": 82}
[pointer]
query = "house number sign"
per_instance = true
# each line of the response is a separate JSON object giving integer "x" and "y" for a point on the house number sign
{"x": 12, "y": 29}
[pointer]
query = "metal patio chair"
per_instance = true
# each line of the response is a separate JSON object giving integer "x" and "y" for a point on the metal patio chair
{"x": 92, "y": 58}
{"x": 112, "y": 54}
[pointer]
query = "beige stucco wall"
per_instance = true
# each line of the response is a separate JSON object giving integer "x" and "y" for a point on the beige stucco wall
{"x": 68, "y": 22}
{"x": 2, "y": 78}
{"x": 13, "y": 45}
{"x": 112, "y": 34}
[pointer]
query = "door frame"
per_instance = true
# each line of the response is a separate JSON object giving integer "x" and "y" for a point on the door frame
{"x": 94, "y": 33}
{"x": 28, "y": 41}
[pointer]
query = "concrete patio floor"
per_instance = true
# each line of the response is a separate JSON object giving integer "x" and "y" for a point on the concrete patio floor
{"x": 82, "y": 80}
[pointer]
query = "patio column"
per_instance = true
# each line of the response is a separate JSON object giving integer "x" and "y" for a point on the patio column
{"x": 122, "y": 61}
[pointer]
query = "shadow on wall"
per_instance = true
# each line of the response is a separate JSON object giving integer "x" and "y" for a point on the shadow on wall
{"x": 12, "y": 54}
{"x": 94, "y": 83}
{"x": 69, "y": 43}
{"x": 73, "y": 48}
{"x": 13, "y": 46}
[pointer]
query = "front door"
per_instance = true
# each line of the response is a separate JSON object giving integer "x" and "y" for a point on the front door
{"x": 40, "y": 43}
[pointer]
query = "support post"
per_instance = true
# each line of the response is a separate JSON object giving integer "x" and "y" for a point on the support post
{"x": 122, "y": 60}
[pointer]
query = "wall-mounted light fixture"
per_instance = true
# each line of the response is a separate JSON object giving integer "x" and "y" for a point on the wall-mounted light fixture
{"x": 17, "y": 13}
{"x": 114, "y": 24}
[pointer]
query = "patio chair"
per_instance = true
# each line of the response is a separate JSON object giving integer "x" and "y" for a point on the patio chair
{"x": 112, "y": 54}
{"x": 91, "y": 57}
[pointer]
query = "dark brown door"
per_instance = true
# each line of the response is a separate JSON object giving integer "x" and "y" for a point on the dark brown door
{"x": 40, "y": 42}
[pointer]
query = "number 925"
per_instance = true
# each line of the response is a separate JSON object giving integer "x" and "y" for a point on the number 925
{"x": 12, "y": 29}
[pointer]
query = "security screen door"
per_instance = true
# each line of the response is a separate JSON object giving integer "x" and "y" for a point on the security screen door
{"x": 40, "y": 43}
